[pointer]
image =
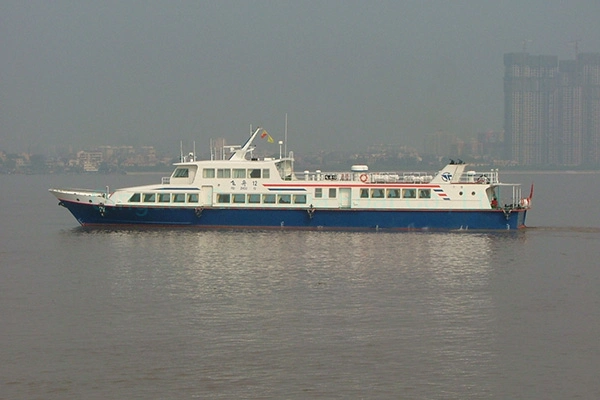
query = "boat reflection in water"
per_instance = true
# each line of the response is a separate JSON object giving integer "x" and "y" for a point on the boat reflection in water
{"x": 333, "y": 304}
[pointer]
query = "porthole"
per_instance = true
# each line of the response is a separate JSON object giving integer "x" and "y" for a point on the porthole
{"x": 473, "y": 193}
{"x": 460, "y": 193}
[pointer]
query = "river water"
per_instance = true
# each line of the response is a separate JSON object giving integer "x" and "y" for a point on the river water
{"x": 185, "y": 313}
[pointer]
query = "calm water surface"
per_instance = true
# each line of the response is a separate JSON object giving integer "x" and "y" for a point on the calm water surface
{"x": 184, "y": 313}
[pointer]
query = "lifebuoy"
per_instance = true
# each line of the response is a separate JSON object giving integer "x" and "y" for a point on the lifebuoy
{"x": 364, "y": 178}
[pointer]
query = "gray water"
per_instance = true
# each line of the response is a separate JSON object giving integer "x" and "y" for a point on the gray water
{"x": 184, "y": 313}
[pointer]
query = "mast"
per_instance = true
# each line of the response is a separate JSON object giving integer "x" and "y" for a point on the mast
{"x": 240, "y": 152}
{"x": 285, "y": 137}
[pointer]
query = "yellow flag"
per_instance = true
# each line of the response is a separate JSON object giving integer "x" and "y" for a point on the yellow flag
{"x": 265, "y": 134}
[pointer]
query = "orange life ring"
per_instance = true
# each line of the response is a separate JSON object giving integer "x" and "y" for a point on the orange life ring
{"x": 363, "y": 178}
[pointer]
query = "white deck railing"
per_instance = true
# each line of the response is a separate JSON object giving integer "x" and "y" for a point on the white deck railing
{"x": 394, "y": 177}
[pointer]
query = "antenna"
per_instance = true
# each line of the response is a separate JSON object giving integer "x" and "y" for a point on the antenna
{"x": 285, "y": 137}
{"x": 525, "y": 41}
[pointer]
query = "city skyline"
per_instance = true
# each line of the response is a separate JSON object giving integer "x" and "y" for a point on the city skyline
{"x": 552, "y": 109}
{"x": 551, "y": 118}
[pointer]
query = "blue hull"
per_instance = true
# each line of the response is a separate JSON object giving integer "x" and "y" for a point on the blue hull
{"x": 300, "y": 219}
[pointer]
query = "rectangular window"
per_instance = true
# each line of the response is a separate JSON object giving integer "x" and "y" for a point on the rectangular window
{"x": 254, "y": 198}
{"x": 223, "y": 173}
{"x": 135, "y": 198}
{"x": 364, "y": 193}
{"x": 193, "y": 198}
{"x": 300, "y": 199}
{"x": 223, "y": 198}
{"x": 409, "y": 193}
{"x": 424, "y": 193}
{"x": 239, "y": 198}
{"x": 254, "y": 173}
{"x": 208, "y": 173}
{"x": 149, "y": 197}
{"x": 239, "y": 173}
{"x": 393, "y": 193}
{"x": 332, "y": 193}
{"x": 178, "y": 197}
{"x": 377, "y": 193}
{"x": 181, "y": 173}
{"x": 284, "y": 199}
{"x": 265, "y": 173}
{"x": 318, "y": 193}
{"x": 164, "y": 197}
{"x": 269, "y": 198}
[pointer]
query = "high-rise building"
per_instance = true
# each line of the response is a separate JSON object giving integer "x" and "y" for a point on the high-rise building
{"x": 588, "y": 67}
{"x": 552, "y": 109}
{"x": 530, "y": 107}
{"x": 568, "y": 149}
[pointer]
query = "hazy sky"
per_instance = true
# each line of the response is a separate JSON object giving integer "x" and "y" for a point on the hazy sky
{"x": 347, "y": 73}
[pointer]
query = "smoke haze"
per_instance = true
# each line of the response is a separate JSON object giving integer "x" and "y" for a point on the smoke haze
{"x": 347, "y": 73}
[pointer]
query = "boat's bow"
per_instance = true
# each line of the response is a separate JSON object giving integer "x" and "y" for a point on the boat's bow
{"x": 82, "y": 196}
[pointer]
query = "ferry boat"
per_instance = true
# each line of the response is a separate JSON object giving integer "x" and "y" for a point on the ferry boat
{"x": 242, "y": 191}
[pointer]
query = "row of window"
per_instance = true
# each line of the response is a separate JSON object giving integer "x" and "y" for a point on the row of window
{"x": 319, "y": 193}
{"x": 255, "y": 198}
{"x": 377, "y": 193}
{"x": 407, "y": 193}
{"x": 222, "y": 198}
{"x": 236, "y": 173}
{"x": 164, "y": 198}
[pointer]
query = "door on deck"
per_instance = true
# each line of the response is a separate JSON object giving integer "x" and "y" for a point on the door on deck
{"x": 345, "y": 197}
{"x": 207, "y": 193}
